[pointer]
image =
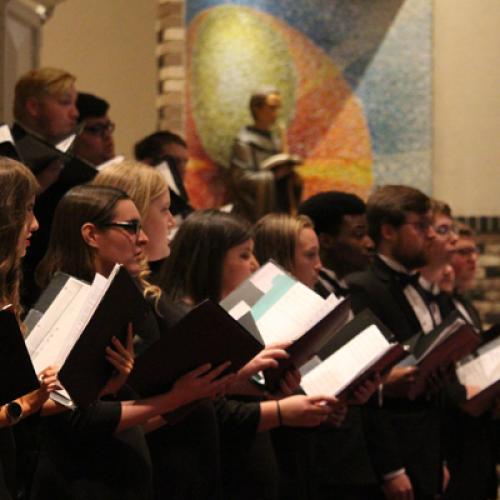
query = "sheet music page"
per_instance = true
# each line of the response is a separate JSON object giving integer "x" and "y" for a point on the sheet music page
{"x": 5, "y": 134}
{"x": 344, "y": 365}
{"x": 65, "y": 144}
{"x": 113, "y": 161}
{"x": 167, "y": 175}
{"x": 52, "y": 332}
{"x": 239, "y": 310}
{"x": 95, "y": 294}
{"x": 482, "y": 371}
{"x": 291, "y": 315}
{"x": 264, "y": 277}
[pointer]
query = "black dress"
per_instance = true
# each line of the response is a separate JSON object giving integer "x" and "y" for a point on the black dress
{"x": 82, "y": 459}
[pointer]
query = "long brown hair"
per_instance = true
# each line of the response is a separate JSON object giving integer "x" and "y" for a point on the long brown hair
{"x": 194, "y": 268}
{"x": 17, "y": 186}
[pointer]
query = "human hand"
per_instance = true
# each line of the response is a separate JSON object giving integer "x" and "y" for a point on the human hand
{"x": 290, "y": 382}
{"x": 446, "y": 477}
{"x": 202, "y": 383}
{"x": 33, "y": 401}
{"x": 305, "y": 411}
{"x": 122, "y": 358}
{"x": 400, "y": 381}
{"x": 365, "y": 390}
{"x": 398, "y": 488}
{"x": 267, "y": 358}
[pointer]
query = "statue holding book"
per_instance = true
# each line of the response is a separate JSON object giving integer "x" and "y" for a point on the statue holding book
{"x": 262, "y": 176}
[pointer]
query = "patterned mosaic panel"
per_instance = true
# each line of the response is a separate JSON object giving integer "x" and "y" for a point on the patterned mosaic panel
{"x": 355, "y": 77}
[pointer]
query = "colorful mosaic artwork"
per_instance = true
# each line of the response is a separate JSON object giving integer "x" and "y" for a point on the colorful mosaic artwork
{"x": 355, "y": 83}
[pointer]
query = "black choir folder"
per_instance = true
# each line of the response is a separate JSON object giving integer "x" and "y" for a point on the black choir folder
{"x": 482, "y": 371}
{"x": 362, "y": 348}
{"x": 16, "y": 369}
{"x": 72, "y": 324}
{"x": 37, "y": 154}
{"x": 448, "y": 343}
{"x": 207, "y": 334}
{"x": 278, "y": 309}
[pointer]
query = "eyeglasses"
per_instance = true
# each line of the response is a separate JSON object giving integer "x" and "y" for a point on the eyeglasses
{"x": 132, "y": 227}
{"x": 422, "y": 226}
{"x": 445, "y": 229}
{"x": 466, "y": 252}
{"x": 100, "y": 128}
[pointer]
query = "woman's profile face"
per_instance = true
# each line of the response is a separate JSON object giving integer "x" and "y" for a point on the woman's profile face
{"x": 307, "y": 263}
{"x": 30, "y": 226}
{"x": 157, "y": 225}
{"x": 120, "y": 241}
{"x": 239, "y": 263}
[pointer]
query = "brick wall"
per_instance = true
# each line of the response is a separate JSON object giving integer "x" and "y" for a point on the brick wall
{"x": 171, "y": 55}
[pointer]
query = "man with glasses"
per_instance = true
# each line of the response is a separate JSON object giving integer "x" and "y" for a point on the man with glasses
{"x": 95, "y": 142}
{"x": 404, "y": 437}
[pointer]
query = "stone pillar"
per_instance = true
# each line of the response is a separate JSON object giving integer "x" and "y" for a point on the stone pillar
{"x": 171, "y": 54}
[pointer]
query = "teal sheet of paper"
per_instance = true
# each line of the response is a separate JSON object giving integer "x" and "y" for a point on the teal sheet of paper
{"x": 281, "y": 284}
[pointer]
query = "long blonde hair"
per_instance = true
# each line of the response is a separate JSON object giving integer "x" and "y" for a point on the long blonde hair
{"x": 143, "y": 184}
{"x": 17, "y": 186}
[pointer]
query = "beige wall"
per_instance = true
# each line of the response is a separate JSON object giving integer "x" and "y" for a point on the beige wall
{"x": 467, "y": 105}
{"x": 110, "y": 46}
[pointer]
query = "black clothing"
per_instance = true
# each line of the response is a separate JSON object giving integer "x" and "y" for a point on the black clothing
{"x": 342, "y": 464}
{"x": 7, "y": 464}
{"x": 249, "y": 468}
{"x": 185, "y": 455}
{"x": 402, "y": 433}
{"x": 82, "y": 459}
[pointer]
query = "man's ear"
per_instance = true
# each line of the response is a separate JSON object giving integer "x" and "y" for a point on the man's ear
{"x": 90, "y": 235}
{"x": 326, "y": 241}
{"x": 388, "y": 232}
{"x": 33, "y": 106}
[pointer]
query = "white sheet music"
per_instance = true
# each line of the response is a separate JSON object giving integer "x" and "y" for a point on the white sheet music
{"x": 263, "y": 278}
{"x": 482, "y": 371}
{"x": 293, "y": 314}
{"x": 347, "y": 363}
{"x": 53, "y": 337}
{"x": 65, "y": 144}
{"x": 5, "y": 134}
{"x": 164, "y": 169}
{"x": 49, "y": 335}
{"x": 115, "y": 160}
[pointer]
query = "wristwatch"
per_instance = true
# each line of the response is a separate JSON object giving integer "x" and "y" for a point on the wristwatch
{"x": 14, "y": 412}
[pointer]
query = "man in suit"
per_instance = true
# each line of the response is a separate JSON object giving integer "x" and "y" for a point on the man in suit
{"x": 95, "y": 143}
{"x": 343, "y": 468}
{"x": 404, "y": 435}
{"x": 45, "y": 104}
{"x": 345, "y": 247}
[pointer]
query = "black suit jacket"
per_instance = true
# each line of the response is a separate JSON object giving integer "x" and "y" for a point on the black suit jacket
{"x": 402, "y": 433}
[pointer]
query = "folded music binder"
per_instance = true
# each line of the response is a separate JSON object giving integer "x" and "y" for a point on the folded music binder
{"x": 362, "y": 348}
{"x": 16, "y": 369}
{"x": 207, "y": 334}
{"x": 73, "y": 323}
{"x": 277, "y": 308}
{"x": 448, "y": 343}
{"x": 482, "y": 371}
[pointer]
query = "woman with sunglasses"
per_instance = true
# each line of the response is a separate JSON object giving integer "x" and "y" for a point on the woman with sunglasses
{"x": 100, "y": 452}
{"x": 18, "y": 187}
{"x": 212, "y": 254}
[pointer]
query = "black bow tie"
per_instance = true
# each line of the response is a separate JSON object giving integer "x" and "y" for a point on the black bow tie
{"x": 407, "y": 279}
